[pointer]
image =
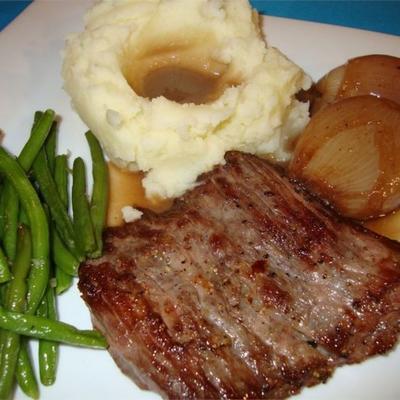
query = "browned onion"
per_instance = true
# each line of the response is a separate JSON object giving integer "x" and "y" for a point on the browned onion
{"x": 349, "y": 155}
{"x": 376, "y": 74}
{"x": 388, "y": 226}
{"x": 126, "y": 189}
{"x": 328, "y": 87}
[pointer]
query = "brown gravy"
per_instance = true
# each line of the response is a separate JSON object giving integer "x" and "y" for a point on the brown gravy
{"x": 181, "y": 70}
{"x": 181, "y": 85}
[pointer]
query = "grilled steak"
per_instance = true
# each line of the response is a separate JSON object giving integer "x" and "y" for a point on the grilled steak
{"x": 247, "y": 288}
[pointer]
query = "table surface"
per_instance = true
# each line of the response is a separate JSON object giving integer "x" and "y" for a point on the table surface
{"x": 380, "y": 16}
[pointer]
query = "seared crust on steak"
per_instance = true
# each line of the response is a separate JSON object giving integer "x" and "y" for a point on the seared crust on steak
{"x": 247, "y": 288}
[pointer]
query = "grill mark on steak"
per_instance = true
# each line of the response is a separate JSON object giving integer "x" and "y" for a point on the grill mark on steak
{"x": 247, "y": 288}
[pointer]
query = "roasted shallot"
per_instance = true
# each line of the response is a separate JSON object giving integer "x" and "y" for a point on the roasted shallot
{"x": 376, "y": 74}
{"x": 348, "y": 154}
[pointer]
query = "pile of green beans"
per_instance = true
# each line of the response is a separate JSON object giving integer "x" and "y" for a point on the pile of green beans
{"x": 41, "y": 248}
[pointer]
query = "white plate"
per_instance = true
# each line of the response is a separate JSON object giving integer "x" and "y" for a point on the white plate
{"x": 30, "y": 80}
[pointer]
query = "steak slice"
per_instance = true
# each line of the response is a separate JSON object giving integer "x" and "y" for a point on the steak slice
{"x": 247, "y": 288}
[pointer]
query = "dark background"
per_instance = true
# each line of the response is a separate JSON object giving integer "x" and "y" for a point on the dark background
{"x": 380, "y": 16}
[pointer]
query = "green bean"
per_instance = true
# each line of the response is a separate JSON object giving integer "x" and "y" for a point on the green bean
{"x": 41, "y": 128}
{"x": 3, "y": 289}
{"x": 11, "y": 213}
{"x": 48, "y": 350}
{"x": 23, "y": 217}
{"x": 42, "y": 308}
{"x": 80, "y": 206}
{"x": 61, "y": 177}
{"x": 2, "y": 212}
{"x": 5, "y": 274}
{"x": 43, "y": 328}
{"x": 39, "y": 273}
{"x": 48, "y": 189}
{"x": 66, "y": 264}
{"x": 14, "y": 301}
{"x": 36, "y": 117}
{"x": 9, "y": 354}
{"x": 63, "y": 258}
{"x": 17, "y": 288}
{"x": 99, "y": 200}
{"x": 64, "y": 281}
{"x": 2, "y": 293}
{"x": 24, "y": 372}
{"x": 51, "y": 145}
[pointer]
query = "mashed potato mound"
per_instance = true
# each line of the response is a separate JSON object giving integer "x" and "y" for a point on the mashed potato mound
{"x": 169, "y": 86}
